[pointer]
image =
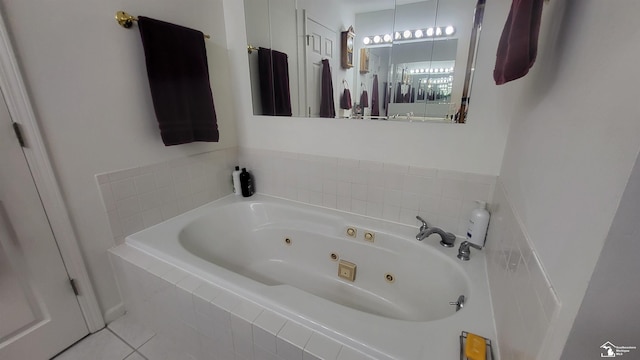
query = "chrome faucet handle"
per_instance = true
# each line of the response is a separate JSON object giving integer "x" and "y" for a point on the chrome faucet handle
{"x": 464, "y": 252}
{"x": 424, "y": 223}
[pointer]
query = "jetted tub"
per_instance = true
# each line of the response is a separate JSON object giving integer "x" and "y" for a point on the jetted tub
{"x": 284, "y": 255}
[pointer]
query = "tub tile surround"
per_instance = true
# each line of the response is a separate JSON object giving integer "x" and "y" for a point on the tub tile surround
{"x": 387, "y": 191}
{"x": 140, "y": 197}
{"x": 227, "y": 326}
{"x": 524, "y": 301}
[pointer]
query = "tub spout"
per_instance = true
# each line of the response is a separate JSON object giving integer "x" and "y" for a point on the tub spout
{"x": 447, "y": 238}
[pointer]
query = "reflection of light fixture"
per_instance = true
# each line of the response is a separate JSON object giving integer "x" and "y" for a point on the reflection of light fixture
{"x": 410, "y": 34}
{"x": 421, "y": 70}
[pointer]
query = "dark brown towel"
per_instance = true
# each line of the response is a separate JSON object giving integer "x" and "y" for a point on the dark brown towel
{"x": 375, "y": 107}
{"x": 179, "y": 80}
{"x": 327, "y": 106}
{"x": 518, "y": 45}
{"x": 399, "y": 97}
{"x": 274, "y": 82}
{"x": 345, "y": 101}
{"x": 364, "y": 99}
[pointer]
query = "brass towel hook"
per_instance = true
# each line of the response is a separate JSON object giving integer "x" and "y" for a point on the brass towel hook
{"x": 126, "y": 21}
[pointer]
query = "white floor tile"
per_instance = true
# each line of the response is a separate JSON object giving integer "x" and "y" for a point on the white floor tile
{"x": 132, "y": 332}
{"x": 162, "y": 349}
{"x": 135, "y": 356}
{"x": 102, "y": 345}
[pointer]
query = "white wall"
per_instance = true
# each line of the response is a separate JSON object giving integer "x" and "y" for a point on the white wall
{"x": 475, "y": 147}
{"x": 88, "y": 83}
{"x": 573, "y": 141}
{"x": 609, "y": 310}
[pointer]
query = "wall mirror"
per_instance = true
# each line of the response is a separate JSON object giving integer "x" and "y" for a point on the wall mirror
{"x": 400, "y": 60}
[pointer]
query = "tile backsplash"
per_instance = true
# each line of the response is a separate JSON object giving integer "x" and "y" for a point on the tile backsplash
{"x": 388, "y": 191}
{"x": 140, "y": 197}
{"x": 524, "y": 302}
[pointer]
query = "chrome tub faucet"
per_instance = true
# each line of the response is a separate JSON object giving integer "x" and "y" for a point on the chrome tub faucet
{"x": 447, "y": 238}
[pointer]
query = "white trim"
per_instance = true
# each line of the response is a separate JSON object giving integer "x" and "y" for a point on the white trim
{"x": 19, "y": 105}
{"x": 114, "y": 312}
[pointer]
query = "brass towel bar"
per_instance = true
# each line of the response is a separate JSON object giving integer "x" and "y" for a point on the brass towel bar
{"x": 126, "y": 21}
{"x": 251, "y": 49}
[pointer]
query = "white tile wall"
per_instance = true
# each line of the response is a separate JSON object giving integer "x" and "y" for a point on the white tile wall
{"x": 389, "y": 191}
{"x": 524, "y": 302}
{"x": 165, "y": 300}
{"x": 140, "y": 197}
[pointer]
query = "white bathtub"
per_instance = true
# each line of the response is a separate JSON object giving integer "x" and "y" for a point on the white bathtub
{"x": 240, "y": 244}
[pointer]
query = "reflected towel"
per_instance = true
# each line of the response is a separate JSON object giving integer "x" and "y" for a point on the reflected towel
{"x": 327, "y": 105}
{"x": 375, "y": 107}
{"x": 518, "y": 45}
{"x": 274, "y": 82}
{"x": 178, "y": 73}
{"x": 345, "y": 101}
{"x": 364, "y": 99}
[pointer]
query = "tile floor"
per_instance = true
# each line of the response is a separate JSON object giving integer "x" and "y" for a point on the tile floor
{"x": 122, "y": 339}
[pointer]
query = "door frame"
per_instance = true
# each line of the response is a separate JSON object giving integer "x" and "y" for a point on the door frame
{"x": 15, "y": 95}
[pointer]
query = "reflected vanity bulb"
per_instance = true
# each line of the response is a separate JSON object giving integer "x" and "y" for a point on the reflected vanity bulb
{"x": 438, "y": 31}
{"x": 441, "y": 70}
{"x": 366, "y": 40}
{"x": 406, "y": 34}
{"x": 377, "y": 39}
{"x": 430, "y": 32}
{"x": 412, "y": 71}
{"x": 387, "y": 38}
{"x": 398, "y": 36}
{"x": 418, "y": 33}
{"x": 449, "y": 30}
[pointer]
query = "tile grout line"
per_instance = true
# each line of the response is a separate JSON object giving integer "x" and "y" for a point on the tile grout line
{"x": 135, "y": 350}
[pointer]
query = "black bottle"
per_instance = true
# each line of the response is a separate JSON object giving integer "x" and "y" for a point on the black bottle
{"x": 246, "y": 183}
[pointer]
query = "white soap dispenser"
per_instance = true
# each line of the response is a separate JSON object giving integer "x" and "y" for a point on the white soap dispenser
{"x": 478, "y": 224}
